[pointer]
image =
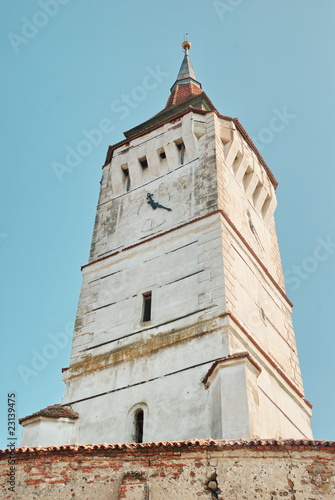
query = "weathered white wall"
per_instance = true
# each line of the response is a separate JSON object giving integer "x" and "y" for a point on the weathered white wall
{"x": 259, "y": 305}
{"x": 240, "y": 192}
{"x": 48, "y": 431}
{"x": 234, "y": 383}
{"x": 189, "y": 189}
{"x": 208, "y": 470}
{"x": 212, "y": 264}
{"x": 184, "y": 271}
{"x": 165, "y": 345}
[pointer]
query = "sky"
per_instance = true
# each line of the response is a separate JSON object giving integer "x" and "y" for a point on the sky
{"x": 66, "y": 67}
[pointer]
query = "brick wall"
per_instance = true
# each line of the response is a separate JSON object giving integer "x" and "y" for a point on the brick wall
{"x": 296, "y": 470}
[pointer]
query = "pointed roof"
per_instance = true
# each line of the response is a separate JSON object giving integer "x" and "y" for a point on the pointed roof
{"x": 53, "y": 411}
{"x": 186, "y": 92}
{"x": 186, "y": 85}
{"x": 186, "y": 95}
{"x": 186, "y": 73}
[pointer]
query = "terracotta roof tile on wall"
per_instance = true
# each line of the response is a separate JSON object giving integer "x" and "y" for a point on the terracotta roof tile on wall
{"x": 188, "y": 445}
{"x": 54, "y": 411}
{"x": 230, "y": 357}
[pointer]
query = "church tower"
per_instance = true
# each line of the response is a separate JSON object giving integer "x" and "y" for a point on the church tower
{"x": 183, "y": 327}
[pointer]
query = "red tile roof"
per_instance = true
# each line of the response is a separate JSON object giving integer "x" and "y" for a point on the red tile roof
{"x": 185, "y": 98}
{"x": 237, "y": 355}
{"x": 183, "y": 93}
{"x": 53, "y": 411}
{"x": 187, "y": 445}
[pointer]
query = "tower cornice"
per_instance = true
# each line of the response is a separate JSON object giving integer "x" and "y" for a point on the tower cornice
{"x": 175, "y": 113}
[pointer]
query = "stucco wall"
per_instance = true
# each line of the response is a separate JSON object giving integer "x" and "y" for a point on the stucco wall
{"x": 297, "y": 470}
{"x": 188, "y": 187}
{"x": 216, "y": 283}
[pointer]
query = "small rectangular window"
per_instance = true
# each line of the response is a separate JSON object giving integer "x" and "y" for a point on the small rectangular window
{"x": 126, "y": 175}
{"x": 161, "y": 153}
{"x": 181, "y": 149}
{"x": 146, "y": 307}
{"x": 139, "y": 421}
{"x": 144, "y": 162}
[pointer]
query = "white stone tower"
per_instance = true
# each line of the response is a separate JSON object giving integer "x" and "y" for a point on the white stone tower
{"x": 183, "y": 327}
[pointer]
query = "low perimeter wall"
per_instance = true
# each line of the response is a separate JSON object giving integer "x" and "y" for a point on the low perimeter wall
{"x": 204, "y": 469}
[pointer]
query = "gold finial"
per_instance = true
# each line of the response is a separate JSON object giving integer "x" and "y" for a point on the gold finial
{"x": 186, "y": 44}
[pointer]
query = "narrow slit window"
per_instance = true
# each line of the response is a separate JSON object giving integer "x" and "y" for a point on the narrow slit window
{"x": 181, "y": 149}
{"x": 139, "y": 421}
{"x": 144, "y": 162}
{"x": 126, "y": 176}
{"x": 146, "y": 307}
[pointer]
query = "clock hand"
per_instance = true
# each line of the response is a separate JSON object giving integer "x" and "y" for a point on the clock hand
{"x": 154, "y": 203}
{"x": 151, "y": 201}
{"x": 162, "y": 206}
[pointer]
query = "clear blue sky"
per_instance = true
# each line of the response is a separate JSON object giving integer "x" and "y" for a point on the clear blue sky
{"x": 255, "y": 58}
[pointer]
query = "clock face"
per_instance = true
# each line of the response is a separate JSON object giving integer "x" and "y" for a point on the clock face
{"x": 154, "y": 221}
{"x": 152, "y": 218}
{"x": 140, "y": 213}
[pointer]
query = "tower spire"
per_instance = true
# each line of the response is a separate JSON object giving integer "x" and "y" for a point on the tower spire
{"x": 185, "y": 92}
{"x": 186, "y": 85}
{"x": 186, "y": 73}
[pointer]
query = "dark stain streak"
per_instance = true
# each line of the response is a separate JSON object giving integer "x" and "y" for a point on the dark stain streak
{"x": 107, "y": 275}
{"x": 149, "y": 328}
{"x": 183, "y": 278}
{"x": 183, "y": 246}
{"x": 106, "y": 305}
{"x": 143, "y": 382}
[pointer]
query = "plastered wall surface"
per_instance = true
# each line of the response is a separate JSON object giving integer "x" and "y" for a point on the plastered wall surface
{"x": 296, "y": 470}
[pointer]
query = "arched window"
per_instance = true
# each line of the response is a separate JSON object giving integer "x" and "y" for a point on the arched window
{"x": 139, "y": 421}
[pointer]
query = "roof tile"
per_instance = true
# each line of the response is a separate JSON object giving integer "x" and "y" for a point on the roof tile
{"x": 182, "y": 93}
{"x": 220, "y": 444}
{"x": 53, "y": 411}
